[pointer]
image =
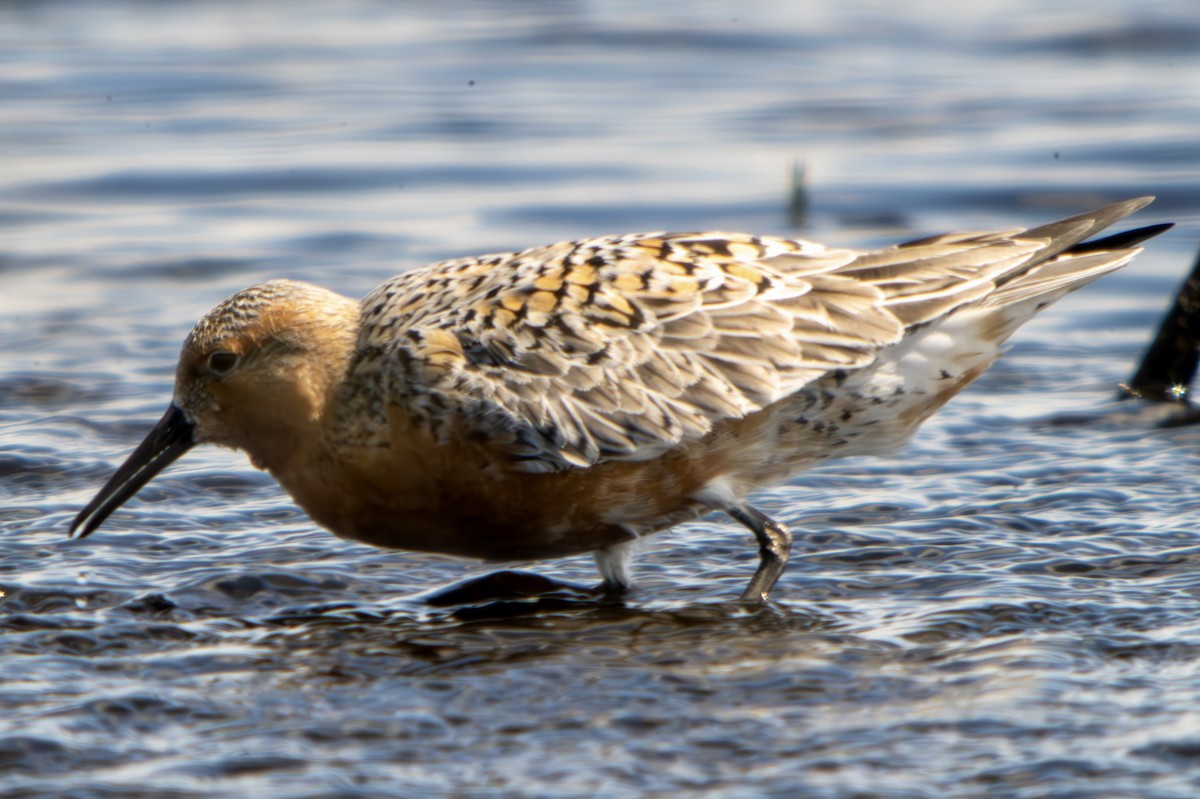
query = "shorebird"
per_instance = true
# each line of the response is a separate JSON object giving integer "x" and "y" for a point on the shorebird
{"x": 580, "y": 396}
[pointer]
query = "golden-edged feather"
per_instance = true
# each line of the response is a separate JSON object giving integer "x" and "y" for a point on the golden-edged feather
{"x": 624, "y": 347}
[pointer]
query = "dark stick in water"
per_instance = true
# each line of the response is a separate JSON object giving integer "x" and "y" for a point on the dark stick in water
{"x": 1170, "y": 363}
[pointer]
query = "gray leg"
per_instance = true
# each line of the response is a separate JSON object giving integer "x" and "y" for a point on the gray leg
{"x": 774, "y": 544}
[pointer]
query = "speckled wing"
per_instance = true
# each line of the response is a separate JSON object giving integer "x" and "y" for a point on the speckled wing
{"x": 624, "y": 347}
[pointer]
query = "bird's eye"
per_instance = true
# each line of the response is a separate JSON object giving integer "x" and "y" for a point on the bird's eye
{"x": 222, "y": 363}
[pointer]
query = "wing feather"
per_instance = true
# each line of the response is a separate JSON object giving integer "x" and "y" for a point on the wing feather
{"x": 627, "y": 346}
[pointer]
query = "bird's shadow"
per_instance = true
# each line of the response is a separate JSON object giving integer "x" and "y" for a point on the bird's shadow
{"x": 510, "y": 594}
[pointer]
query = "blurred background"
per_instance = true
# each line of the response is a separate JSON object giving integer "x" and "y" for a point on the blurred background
{"x": 1008, "y": 608}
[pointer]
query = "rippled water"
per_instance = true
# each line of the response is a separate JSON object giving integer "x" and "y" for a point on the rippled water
{"x": 1010, "y": 607}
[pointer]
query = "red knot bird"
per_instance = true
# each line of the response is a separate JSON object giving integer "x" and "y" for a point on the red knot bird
{"x": 578, "y": 397}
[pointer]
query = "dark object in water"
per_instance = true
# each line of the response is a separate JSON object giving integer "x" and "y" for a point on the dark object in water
{"x": 798, "y": 195}
{"x": 1169, "y": 364}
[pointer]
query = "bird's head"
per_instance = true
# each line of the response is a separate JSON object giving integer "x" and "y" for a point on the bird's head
{"x": 255, "y": 374}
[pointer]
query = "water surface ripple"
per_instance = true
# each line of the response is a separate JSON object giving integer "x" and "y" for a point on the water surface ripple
{"x": 1008, "y": 608}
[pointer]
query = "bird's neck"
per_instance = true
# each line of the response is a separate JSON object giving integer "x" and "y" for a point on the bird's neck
{"x": 296, "y": 430}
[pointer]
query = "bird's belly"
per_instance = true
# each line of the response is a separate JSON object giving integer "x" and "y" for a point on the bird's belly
{"x": 500, "y": 514}
{"x": 482, "y": 535}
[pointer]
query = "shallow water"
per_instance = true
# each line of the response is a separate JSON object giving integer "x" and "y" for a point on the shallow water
{"x": 1009, "y": 607}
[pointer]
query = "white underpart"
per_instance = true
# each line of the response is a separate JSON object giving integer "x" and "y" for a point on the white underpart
{"x": 919, "y": 368}
{"x": 720, "y": 494}
{"x": 885, "y": 398}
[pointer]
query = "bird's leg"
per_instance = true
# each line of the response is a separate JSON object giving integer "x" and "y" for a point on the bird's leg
{"x": 774, "y": 544}
{"x": 614, "y": 561}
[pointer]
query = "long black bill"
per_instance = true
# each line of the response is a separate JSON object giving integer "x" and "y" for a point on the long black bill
{"x": 164, "y": 445}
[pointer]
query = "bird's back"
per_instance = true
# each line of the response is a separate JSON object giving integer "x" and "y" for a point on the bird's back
{"x": 622, "y": 348}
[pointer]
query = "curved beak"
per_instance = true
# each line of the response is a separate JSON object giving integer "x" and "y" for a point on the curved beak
{"x": 169, "y": 439}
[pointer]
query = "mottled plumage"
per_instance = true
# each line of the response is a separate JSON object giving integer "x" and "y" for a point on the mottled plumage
{"x": 575, "y": 397}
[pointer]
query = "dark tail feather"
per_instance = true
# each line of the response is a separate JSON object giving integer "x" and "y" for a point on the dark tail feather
{"x": 1120, "y": 241}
